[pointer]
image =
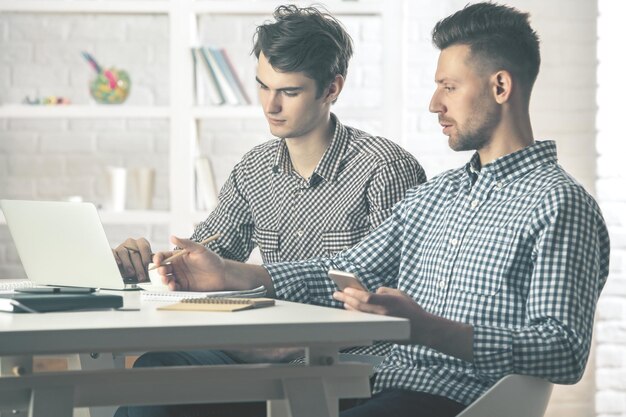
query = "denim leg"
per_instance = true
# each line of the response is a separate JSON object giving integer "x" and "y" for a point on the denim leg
{"x": 402, "y": 403}
{"x": 188, "y": 358}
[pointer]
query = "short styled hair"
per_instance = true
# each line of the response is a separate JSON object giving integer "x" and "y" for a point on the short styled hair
{"x": 499, "y": 37}
{"x": 305, "y": 40}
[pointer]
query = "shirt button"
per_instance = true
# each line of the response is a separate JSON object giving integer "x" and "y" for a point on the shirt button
{"x": 498, "y": 186}
{"x": 474, "y": 203}
{"x": 454, "y": 242}
{"x": 300, "y": 233}
{"x": 442, "y": 284}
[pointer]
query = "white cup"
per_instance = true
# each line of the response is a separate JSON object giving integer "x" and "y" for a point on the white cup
{"x": 116, "y": 181}
{"x": 145, "y": 187}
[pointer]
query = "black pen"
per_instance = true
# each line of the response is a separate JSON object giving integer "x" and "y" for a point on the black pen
{"x": 56, "y": 290}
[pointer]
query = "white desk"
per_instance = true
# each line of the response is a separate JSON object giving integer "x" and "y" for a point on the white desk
{"x": 311, "y": 390}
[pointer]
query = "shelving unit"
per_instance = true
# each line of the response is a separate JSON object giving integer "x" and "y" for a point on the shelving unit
{"x": 182, "y": 114}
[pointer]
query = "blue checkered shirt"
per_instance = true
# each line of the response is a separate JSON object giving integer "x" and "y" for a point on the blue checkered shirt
{"x": 516, "y": 248}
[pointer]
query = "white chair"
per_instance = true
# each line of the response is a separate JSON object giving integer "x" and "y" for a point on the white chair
{"x": 512, "y": 396}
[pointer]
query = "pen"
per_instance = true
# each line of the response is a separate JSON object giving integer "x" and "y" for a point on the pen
{"x": 182, "y": 252}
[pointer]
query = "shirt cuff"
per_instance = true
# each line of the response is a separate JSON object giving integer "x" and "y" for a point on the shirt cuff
{"x": 288, "y": 283}
{"x": 493, "y": 351}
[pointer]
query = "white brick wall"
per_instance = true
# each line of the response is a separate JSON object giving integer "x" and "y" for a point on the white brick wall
{"x": 611, "y": 183}
{"x": 39, "y": 56}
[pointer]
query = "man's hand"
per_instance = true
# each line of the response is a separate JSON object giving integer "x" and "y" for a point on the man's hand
{"x": 387, "y": 302}
{"x": 133, "y": 257}
{"x": 198, "y": 269}
{"x": 446, "y": 336}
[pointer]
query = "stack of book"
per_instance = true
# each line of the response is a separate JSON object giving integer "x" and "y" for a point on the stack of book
{"x": 216, "y": 80}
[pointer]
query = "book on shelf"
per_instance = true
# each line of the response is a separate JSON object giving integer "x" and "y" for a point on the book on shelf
{"x": 208, "y": 90}
{"x": 206, "y": 189}
{"x": 229, "y": 72}
{"x": 245, "y": 99}
{"x": 227, "y": 91}
{"x": 173, "y": 296}
{"x": 219, "y": 304}
{"x": 216, "y": 80}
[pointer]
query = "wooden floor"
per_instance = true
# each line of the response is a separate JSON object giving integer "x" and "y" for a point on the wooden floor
{"x": 55, "y": 364}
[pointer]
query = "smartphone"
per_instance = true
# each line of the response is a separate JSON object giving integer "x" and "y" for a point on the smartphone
{"x": 345, "y": 280}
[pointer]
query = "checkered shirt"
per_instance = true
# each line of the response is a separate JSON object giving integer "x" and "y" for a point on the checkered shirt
{"x": 516, "y": 248}
{"x": 265, "y": 202}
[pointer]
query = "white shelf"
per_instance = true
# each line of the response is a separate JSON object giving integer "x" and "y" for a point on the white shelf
{"x": 126, "y": 217}
{"x": 135, "y": 217}
{"x": 86, "y": 6}
{"x": 239, "y": 7}
{"x": 78, "y": 111}
{"x": 182, "y": 115}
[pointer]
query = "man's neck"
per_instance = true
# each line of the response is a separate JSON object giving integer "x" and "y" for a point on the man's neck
{"x": 307, "y": 151}
{"x": 507, "y": 138}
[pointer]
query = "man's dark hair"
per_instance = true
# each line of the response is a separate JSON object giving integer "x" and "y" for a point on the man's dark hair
{"x": 305, "y": 40}
{"x": 499, "y": 37}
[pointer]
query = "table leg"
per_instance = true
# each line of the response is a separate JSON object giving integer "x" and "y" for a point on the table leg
{"x": 15, "y": 365}
{"x": 92, "y": 362}
{"x": 51, "y": 402}
{"x": 278, "y": 408}
{"x": 309, "y": 397}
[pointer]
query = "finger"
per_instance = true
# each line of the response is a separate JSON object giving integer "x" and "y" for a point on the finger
{"x": 160, "y": 256}
{"x": 186, "y": 244}
{"x": 135, "y": 258}
{"x": 358, "y": 294}
{"x": 145, "y": 252}
{"x": 117, "y": 258}
{"x": 126, "y": 266}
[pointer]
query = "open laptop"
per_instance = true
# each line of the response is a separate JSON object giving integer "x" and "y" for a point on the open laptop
{"x": 63, "y": 244}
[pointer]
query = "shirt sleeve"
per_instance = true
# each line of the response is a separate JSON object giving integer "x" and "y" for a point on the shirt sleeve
{"x": 570, "y": 267}
{"x": 375, "y": 260}
{"x": 231, "y": 218}
{"x": 389, "y": 185}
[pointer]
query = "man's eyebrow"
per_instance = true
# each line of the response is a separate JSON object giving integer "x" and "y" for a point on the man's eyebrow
{"x": 444, "y": 80}
{"x": 280, "y": 89}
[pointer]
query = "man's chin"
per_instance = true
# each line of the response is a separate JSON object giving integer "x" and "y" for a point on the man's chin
{"x": 278, "y": 132}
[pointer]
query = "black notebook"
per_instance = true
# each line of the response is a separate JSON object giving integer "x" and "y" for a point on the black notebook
{"x": 39, "y": 303}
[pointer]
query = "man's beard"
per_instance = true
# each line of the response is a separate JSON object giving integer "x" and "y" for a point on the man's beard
{"x": 475, "y": 137}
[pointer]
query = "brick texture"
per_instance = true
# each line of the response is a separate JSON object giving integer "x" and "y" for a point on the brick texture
{"x": 49, "y": 158}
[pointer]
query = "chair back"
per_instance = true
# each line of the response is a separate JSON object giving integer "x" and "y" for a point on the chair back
{"x": 512, "y": 396}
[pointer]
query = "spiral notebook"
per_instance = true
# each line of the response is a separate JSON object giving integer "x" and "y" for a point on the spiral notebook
{"x": 219, "y": 304}
{"x": 172, "y": 296}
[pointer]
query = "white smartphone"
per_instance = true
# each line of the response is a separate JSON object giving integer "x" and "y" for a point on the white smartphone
{"x": 345, "y": 280}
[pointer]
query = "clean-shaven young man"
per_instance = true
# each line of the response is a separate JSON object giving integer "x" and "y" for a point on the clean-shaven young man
{"x": 316, "y": 190}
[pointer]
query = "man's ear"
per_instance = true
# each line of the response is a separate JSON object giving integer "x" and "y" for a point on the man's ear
{"x": 502, "y": 83}
{"x": 334, "y": 89}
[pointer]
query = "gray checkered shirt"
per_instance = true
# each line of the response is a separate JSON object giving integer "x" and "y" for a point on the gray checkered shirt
{"x": 516, "y": 248}
{"x": 352, "y": 190}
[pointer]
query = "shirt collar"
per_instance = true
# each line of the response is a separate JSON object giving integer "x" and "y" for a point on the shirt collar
{"x": 329, "y": 165}
{"x": 513, "y": 165}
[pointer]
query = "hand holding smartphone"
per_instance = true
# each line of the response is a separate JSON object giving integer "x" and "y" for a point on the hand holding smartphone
{"x": 345, "y": 280}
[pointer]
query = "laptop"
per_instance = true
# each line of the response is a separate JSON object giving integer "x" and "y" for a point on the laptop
{"x": 63, "y": 244}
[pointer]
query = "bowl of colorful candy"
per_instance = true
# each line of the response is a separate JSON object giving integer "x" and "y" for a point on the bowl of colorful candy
{"x": 110, "y": 85}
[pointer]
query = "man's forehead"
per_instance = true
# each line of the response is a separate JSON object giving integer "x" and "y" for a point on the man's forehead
{"x": 453, "y": 63}
{"x": 275, "y": 79}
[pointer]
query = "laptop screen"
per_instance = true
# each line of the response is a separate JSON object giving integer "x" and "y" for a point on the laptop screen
{"x": 62, "y": 243}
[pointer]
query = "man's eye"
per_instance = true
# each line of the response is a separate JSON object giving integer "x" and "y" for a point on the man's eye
{"x": 448, "y": 88}
{"x": 262, "y": 87}
{"x": 290, "y": 94}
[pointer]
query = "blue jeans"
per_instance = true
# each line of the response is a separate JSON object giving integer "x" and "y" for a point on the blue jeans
{"x": 397, "y": 403}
